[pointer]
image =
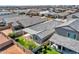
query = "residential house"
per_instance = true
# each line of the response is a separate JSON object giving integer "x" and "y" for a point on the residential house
{"x": 27, "y": 21}
{"x": 66, "y": 37}
{"x": 44, "y": 13}
{"x": 43, "y": 31}
{"x": 5, "y": 28}
{"x": 73, "y": 16}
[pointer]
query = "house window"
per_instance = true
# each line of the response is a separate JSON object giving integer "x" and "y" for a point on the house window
{"x": 59, "y": 47}
{"x": 72, "y": 35}
{"x": 74, "y": 16}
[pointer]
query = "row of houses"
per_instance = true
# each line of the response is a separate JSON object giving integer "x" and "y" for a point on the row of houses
{"x": 64, "y": 35}
{"x": 2, "y": 13}
{"x": 8, "y": 24}
{"x": 34, "y": 25}
{"x": 22, "y": 21}
{"x": 62, "y": 15}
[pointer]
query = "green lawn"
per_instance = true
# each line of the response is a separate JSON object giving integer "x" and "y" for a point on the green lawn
{"x": 46, "y": 49}
{"x": 27, "y": 43}
{"x": 53, "y": 51}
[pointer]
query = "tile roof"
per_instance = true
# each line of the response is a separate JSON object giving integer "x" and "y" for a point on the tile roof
{"x": 45, "y": 33}
{"x": 70, "y": 16}
{"x": 43, "y": 30}
{"x": 3, "y": 38}
{"x": 65, "y": 42}
{"x": 73, "y": 24}
{"x": 24, "y": 20}
{"x": 45, "y": 26}
{"x": 7, "y": 46}
{"x": 7, "y": 31}
{"x": 30, "y": 31}
{"x": 14, "y": 49}
{"x": 27, "y": 21}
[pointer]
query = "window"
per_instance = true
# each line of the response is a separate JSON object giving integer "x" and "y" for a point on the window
{"x": 59, "y": 47}
{"x": 74, "y": 16}
{"x": 72, "y": 35}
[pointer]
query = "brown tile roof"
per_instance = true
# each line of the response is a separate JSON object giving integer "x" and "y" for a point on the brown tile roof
{"x": 10, "y": 48}
{"x": 14, "y": 49}
{"x": 7, "y": 31}
{"x": 29, "y": 52}
{"x": 3, "y": 38}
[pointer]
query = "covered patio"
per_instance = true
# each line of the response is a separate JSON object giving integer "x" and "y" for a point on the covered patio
{"x": 65, "y": 45}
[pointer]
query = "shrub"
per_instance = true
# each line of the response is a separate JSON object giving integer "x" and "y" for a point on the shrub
{"x": 12, "y": 35}
{"x": 29, "y": 44}
{"x": 46, "y": 49}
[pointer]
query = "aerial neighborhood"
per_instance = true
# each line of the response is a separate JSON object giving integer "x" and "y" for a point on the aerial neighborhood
{"x": 39, "y": 29}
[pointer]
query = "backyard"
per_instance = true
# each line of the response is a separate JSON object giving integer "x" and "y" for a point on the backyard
{"x": 27, "y": 43}
{"x": 46, "y": 49}
{"x": 31, "y": 45}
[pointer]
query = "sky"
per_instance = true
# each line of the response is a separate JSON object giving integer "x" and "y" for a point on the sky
{"x": 39, "y": 2}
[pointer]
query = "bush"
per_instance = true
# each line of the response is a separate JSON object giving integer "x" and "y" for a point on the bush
{"x": 12, "y": 35}
{"x": 29, "y": 44}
